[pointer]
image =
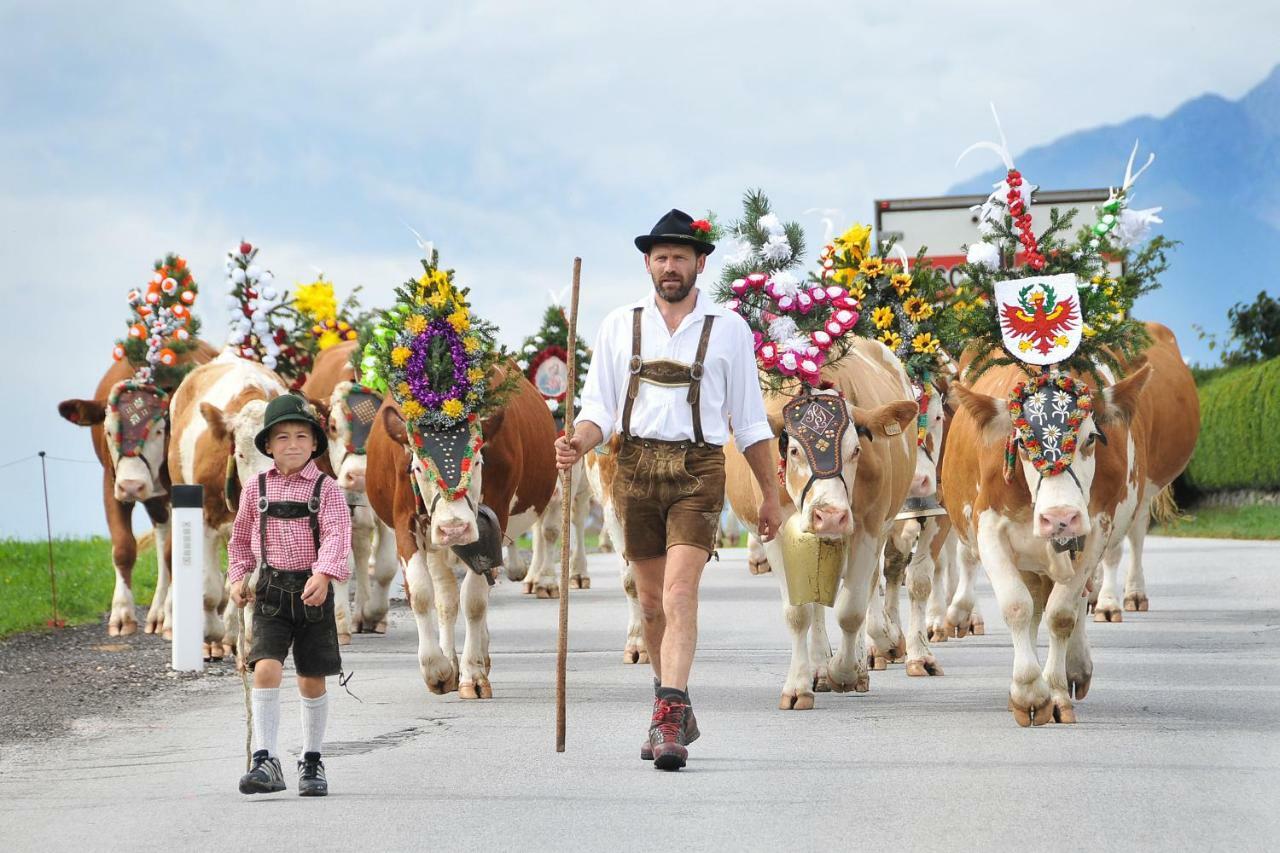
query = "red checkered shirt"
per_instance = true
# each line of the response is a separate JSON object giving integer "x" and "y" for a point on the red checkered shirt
{"x": 289, "y": 544}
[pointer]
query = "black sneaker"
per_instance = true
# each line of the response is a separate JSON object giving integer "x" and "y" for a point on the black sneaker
{"x": 266, "y": 777}
{"x": 311, "y": 780}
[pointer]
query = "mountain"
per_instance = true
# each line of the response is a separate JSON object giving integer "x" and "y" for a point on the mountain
{"x": 1217, "y": 175}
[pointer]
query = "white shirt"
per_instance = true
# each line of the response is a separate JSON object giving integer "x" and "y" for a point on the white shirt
{"x": 730, "y": 384}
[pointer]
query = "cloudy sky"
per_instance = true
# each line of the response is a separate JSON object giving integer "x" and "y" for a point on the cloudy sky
{"x": 514, "y": 135}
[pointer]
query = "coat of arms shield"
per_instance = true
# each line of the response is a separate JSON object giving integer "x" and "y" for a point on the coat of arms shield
{"x": 1040, "y": 317}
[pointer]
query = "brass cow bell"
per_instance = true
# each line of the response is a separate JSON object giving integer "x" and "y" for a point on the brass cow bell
{"x": 811, "y": 564}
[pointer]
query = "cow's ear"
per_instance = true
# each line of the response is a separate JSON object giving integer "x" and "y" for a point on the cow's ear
{"x": 889, "y": 419}
{"x": 991, "y": 414}
{"x": 492, "y": 425}
{"x": 775, "y": 422}
{"x": 83, "y": 412}
{"x": 217, "y": 421}
{"x": 322, "y": 411}
{"x": 1120, "y": 401}
{"x": 949, "y": 402}
{"x": 393, "y": 423}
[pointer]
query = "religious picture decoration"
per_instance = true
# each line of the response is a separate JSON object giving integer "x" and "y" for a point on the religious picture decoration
{"x": 544, "y": 358}
{"x": 162, "y": 325}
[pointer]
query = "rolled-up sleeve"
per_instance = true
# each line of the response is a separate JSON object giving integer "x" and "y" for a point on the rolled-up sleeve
{"x": 335, "y": 533}
{"x": 600, "y": 391}
{"x": 745, "y": 401}
{"x": 240, "y": 556}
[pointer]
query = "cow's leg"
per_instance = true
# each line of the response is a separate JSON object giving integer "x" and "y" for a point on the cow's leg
{"x": 847, "y": 669}
{"x": 447, "y": 603}
{"x": 215, "y": 629}
{"x": 1107, "y": 608}
{"x": 155, "y": 613}
{"x": 542, "y": 579}
{"x": 943, "y": 587}
{"x": 797, "y": 688}
{"x": 578, "y": 575}
{"x": 757, "y": 559}
{"x": 635, "y": 650}
{"x": 819, "y": 647}
{"x": 1064, "y": 608}
{"x": 1029, "y": 696}
{"x": 1079, "y": 658}
{"x": 920, "y": 570}
{"x": 437, "y": 670}
{"x": 350, "y": 618}
{"x": 883, "y": 637}
{"x": 1135, "y": 584}
{"x": 962, "y": 618}
{"x": 473, "y": 677}
{"x": 894, "y": 574}
{"x": 374, "y": 615}
{"x": 124, "y": 553}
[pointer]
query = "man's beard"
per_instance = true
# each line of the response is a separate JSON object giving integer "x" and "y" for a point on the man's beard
{"x": 674, "y": 291}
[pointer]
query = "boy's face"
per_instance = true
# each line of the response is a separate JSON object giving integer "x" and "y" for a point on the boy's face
{"x": 291, "y": 444}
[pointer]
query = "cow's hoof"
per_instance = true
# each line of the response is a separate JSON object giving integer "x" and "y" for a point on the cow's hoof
{"x": 344, "y": 639}
{"x": 580, "y": 583}
{"x": 1036, "y": 715}
{"x": 547, "y": 592}
{"x": 1136, "y": 602}
{"x": 821, "y": 684}
{"x": 937, "y": 634}
{"x": 1108, "y": 613}
{"x": 924, "y": 666}
{"x": 959, "y": 632}
{"x": 759, "y": 567}
{"x": 528, "y": 587}
{"x": 381, "y": 627}
{"x": 1079, "y": 686}
{"x": 478, "y": 689}
{"x": 796, "y": 702}
{"x": 168, "y": 634}
{"x": 898, "y": 651}
{"x": 631, "y": 654}
{"x": 879, "y": 663}
{"x": 977, "y": 627}
{"x": 644, "y": 656}
{"x": 1063, "y": 713}
{"x": 863, "y": 684}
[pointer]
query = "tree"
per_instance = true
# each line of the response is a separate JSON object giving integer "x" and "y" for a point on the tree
{"x": 1255, "y": 331}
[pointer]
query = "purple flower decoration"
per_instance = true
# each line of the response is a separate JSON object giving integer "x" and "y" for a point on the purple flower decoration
{"x": 416, "y": 367}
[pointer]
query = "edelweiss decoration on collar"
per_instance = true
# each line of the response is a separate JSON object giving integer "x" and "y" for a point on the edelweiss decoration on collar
{"x": 138, "y": 407}
{"x": 818, "y": 422}
{"x": 361, "y": 404}
{"x": 449, "y": 456}
{"x": 1047, "y": 411}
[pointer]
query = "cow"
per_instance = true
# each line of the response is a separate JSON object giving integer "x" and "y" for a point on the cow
{"x": 1172, "y": 437}
{"x": 1040, "y": 536}
{"x": 129, "y": 428}
{"x": 857, "y": 508}
{"x": 514, "y": 476}
{"x": 541, "y": 578}
{"x": 216, "y": 413}
{"x": 352, "y": 409}
{"x": 602, "y": 469}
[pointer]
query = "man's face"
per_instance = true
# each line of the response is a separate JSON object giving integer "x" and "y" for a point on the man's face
{"x": 674, "y": 269}
{"x": 291, "y": 444}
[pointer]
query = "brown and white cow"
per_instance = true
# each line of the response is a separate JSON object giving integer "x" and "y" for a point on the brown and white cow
{"x": 602, "y": 469}
{"x": 877, "y": 459}
{"x": 133, "y": 454}
{"x": 352, "y": 409}
{"x": 216, "y": 413}
{"x": 542, "y": 576}
{"x": 1011, "y": 526}
{"x": 1171, "y": 410}
{"x": 515, "y": 477}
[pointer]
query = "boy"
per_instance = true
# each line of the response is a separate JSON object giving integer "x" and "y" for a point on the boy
{"x": 294, "y": 527}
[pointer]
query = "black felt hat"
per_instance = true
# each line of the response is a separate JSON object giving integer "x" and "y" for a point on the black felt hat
{"x": 291, "y": 407}
{"x": 675, "y": 227}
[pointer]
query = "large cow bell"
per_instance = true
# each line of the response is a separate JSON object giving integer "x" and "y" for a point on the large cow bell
{"x": 811, "y": 564}
{"x": 485, "y": 554}
{"x": 920, "y": 508}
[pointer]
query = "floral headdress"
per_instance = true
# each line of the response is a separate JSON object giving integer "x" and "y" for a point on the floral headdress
{"x": 799, "y": 325}
{"x": 328, "y": 323}
{"x": 262, "y": 323}
{"x": 161, "y": 326}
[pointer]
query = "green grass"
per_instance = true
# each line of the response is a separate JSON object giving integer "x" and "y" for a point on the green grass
{"x": 1247, "y": 522}
{"x": 85, "y": 579}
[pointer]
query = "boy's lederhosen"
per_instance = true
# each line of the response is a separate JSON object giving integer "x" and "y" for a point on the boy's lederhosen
{"x": 667, "y": 492}
{"x": 280, "y": 619}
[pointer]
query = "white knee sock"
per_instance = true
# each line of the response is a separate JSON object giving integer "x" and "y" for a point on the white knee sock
{"x": 266, "y": 718}
{"x": 315, "y": 713}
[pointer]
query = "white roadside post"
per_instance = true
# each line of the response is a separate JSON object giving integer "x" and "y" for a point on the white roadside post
{"x": 187, "y": 589}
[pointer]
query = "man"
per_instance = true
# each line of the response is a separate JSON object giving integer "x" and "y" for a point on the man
{"x": 670, "y": 373}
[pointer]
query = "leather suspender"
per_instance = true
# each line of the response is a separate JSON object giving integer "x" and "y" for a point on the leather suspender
{"x": 668, "y": 373}
{"x": 287, "y": 509}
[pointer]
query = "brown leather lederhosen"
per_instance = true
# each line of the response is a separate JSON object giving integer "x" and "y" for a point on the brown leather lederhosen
{"x": 671, "y": 374}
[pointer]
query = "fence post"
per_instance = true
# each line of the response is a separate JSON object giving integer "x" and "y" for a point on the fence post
{"x": 187, "y": 590}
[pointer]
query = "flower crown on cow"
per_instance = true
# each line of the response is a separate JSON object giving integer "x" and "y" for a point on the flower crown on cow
{"x": 263, "y": 325}
{"x": 161, "y": 325}
{"x": 799, "y": 325}
{"x": 544, "y": 358}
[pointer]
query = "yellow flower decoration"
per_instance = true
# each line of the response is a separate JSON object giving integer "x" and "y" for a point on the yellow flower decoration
{"x": 412, "y": 410}
{"x": 845, "y": 276}
{"x": 901, "y": 283}
{"x": 328, "y": 339}
{"x": 871, "y": 267}
{"x": 416, "y": 325}
{"x": 925, "y": 342}
{"x": 400, "y": 355}
{"x": 470, "y": 344}
{"x": 475, "y": 374}
{"x": 460, "y": 321}
{"x": 856, "y": 241}
{"x": 316, "y": 300}
{"x": 858, "y": 291}
{"x": 434, "y": 281}
{"x": 882, "y": 317}
{"x": 403, "y": 391}
{"x": 438, "y": 300}
{"x": 917, "y": 309}
{"x": 891, "y": 339}
{"x": 452, "y": 407}
{"x": 1089, "y": 331}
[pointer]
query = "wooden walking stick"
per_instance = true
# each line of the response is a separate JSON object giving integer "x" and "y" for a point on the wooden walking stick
{"x": 566, "y": 506}
{"x": 242, "y": 664}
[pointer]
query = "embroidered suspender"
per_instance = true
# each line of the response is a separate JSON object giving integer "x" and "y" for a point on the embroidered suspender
{"x": 668, "y": 373}
{"x": 309, "y": 509}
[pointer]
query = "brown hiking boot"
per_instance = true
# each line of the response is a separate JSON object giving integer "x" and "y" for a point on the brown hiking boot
{"x": 691, "y": 732}
{"x": 667, "y": 734}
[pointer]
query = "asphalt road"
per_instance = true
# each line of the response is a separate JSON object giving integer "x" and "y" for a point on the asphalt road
{"x": 1177, "y": 745}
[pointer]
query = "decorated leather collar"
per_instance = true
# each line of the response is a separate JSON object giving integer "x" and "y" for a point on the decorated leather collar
{"x": 139, "y": 407}
{"x": 361, "y": 404}
{"x": 449, "y": 456}
{"x": 817, "y": 422}
{"x": 1047, "y": 411}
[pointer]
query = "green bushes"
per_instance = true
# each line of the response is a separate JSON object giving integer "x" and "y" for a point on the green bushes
{"x": 1239, "y": 445}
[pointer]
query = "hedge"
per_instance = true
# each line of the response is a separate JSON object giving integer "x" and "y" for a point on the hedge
{"x": 1239, "y": 445}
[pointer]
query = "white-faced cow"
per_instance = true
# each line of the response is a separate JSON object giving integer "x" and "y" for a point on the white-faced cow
{"x": 216, "y": 413}
{"x": 513, "y": 476}
{"x": 129, "y": 423}
{"x": 847, "y": 492}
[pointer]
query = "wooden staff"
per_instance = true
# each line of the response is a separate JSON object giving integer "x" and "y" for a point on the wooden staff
{"x": 566, "y": 506}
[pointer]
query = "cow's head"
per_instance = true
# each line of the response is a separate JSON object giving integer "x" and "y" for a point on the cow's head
{"x": 352, "y": 410}
{"x": 446, "y": 468}
{"x": 821, "y": 441}
{"x": 135, "y": 423}
{"x": 1052, "y": 430}
{"x": 234, "y": 429}
{"x": 929, "y": 397}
